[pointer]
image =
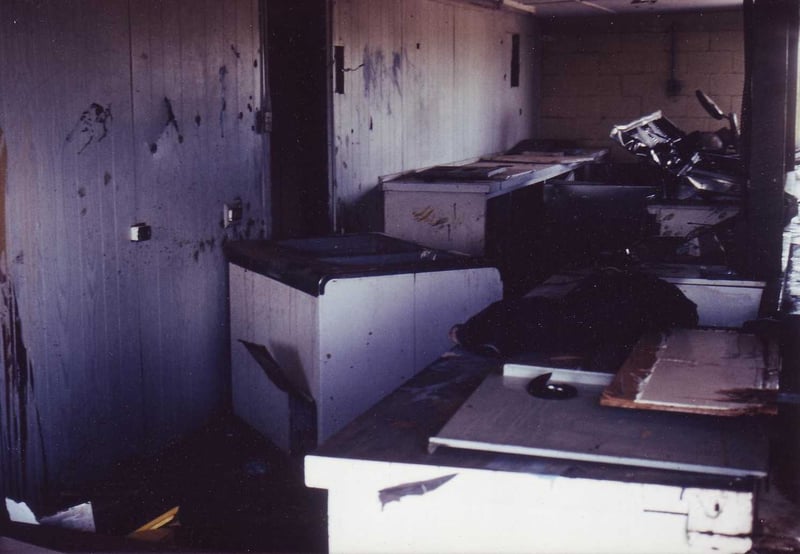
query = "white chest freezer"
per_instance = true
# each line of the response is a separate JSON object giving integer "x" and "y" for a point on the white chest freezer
{"x": 348, "y": 318}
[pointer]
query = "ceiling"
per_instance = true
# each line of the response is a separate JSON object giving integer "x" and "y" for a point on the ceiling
{"x": 547, "y": 8}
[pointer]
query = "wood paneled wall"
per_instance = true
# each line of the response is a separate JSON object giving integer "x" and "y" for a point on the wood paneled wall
{"x": 425, "y": 82}
{"x": 115, "y": 112}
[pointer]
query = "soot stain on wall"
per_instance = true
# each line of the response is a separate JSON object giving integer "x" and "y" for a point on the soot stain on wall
{"x": 19, "y": 383}
{"x": 374, "y": 64}
{"x": 18, "y": 376}
{"x": 92, "y": 126}
{"x": 223, "y": 72}
{"x": 171, "y": 119}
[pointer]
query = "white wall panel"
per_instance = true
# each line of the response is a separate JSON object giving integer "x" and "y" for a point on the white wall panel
{"x": 426, "y": 83}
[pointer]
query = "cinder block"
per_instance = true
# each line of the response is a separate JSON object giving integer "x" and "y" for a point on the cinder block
{"x": 727, "y": 20}
{"x": 690, "y": 124}
{"x": 558, "y": 43}
{"x": 615, "y": 75}
{"x": 589, "y": 85}
{"x": 572, "y": 64}
{"x": 625, "y": 63}
{"x": 559, "y": 107}
{"x": 559, "y": 128}
{"x": 600, "y": 43}
{"x": 684, "y": 105}
{"x": 559, "y": 64}
{"x": 692, "y": 41}
{"x": 644, "y": 85}
{"x": 708, "y": 63}
{"x": 615, "y": 107}
{"x": 737, "y": 61}
{"x": 726, "y": 84}
{"x": 557, "y": 85}
{"x": 727, "y": 41}
{"x": 646, "y": 44}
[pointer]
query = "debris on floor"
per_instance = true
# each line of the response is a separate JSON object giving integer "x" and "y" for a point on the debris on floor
{"x": 79, "y": 517}
{"x": 224, "y": 489}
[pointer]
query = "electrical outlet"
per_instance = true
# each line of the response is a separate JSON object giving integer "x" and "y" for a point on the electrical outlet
{"x": 140, "y": 232}
{"x": 263, "y": 121}
{"x": 232, "y": 213}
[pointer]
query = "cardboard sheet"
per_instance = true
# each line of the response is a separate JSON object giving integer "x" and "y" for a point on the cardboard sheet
{"x": 692, "y": 370}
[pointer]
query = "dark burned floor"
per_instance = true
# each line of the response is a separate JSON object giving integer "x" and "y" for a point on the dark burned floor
{"x": 236, "y": 492}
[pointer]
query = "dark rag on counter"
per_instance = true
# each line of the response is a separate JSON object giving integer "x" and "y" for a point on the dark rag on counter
{"x": 607, "y": 309}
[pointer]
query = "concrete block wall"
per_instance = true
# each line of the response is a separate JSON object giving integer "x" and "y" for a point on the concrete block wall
{"x": 604, "y": 71}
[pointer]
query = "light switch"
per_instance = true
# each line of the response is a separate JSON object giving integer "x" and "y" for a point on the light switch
{"x": 232, "y": 213}
{"x": 140, "y": 232}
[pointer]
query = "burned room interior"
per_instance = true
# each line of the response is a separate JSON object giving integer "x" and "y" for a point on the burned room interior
{"x": 399, "y": 276}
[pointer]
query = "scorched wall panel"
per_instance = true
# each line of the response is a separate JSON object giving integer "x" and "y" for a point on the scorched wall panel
{"x": 425, "y": 82}
{"x": 71, "y": 376}
{"x": 196, "y": 87}
{"x": 114, "y": 112}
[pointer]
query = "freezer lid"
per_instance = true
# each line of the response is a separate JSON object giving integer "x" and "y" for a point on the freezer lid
{"x": 308, "y": 264}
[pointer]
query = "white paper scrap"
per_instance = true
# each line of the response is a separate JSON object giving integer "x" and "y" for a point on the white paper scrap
{"x": 80, "y": 518}
{"x": 19, "y": 512}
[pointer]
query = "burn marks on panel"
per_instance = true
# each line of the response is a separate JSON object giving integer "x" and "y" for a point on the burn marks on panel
{"x": 397, "y": 70}
{"x": 18, "y": 385}
{"x": 91, "y": 127}
{"x": 18, "y": 413}
{"x": 223, "y": 72}
{"x": 374, "y": 65}
{"x": 171, "y": 130}
{"x": 171, "y": 121}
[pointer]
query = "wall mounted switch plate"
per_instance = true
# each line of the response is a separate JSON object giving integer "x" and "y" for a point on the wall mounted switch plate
{"x": 232, "y": 213}
{"x": 140, "y": 232}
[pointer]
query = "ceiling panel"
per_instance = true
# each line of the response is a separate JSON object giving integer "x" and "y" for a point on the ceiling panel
{"x": 547, "y": 8}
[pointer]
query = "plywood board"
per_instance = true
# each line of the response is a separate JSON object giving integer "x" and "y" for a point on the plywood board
{"x": 690, "y": 370}
{"x": 501, "y": 416}
{"x": 549, "y": 157}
